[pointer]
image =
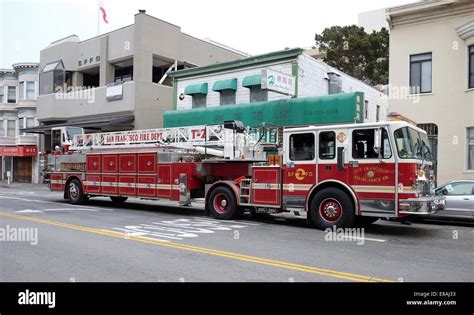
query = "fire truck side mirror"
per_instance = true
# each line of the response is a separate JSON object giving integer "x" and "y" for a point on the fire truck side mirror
{"x": 340, "y": 159}
{"x": 377, "y": 140}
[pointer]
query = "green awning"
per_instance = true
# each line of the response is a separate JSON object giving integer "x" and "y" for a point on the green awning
{"x": 252, "y": 80}
{"x": 230, "y": 84}
{"x": 200, "y": 88}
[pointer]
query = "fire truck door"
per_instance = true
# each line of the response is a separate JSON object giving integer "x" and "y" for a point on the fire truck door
{"x": 371, "y": 170}
{"x": 299, "y": 168}
{"x": 332, "y": 155}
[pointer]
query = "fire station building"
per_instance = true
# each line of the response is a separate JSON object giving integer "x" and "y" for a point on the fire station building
{"x": 118, "y": 80}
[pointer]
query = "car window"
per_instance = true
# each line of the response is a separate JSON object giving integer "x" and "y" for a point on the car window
{"x": 457, "y": 189}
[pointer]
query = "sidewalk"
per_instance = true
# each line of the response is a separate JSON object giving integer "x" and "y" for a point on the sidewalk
{"x": 24, "y": 186}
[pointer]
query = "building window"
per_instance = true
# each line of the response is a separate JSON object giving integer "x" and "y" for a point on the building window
{"x": 22, "y": 90}
{"x": 30, "y": 90}
{"x": 471, "y": 66}
{"x": 199, "y": 100}
{"x": 2, "y": 128}
{"x": 52, "y": 77}
{"x": 227, "y": 97}
{"x": 327, "y": 145}
{"x": 420, "y": 73}
{"x": 470, "y": 148}
{"x": 125, "y": 74}
{"x": 363, "y": 144}
{"x": 366, "y": 109}
{"x": 2, "y": 94}
{"x": 302, "y": 147}
{"x": 27, "y": 122}
{"x": 377, "y": 114}
{"x": 257, "y": 94}
{"x": 12, "y": 94}
{"x": 90, "y": 80}
{"x": 11, "y": 128}
{"x": 334, "y": 83}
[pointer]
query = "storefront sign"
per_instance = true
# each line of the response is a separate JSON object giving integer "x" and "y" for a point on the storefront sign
{"x": 19, "y": 151}
{"x": 278, "y": 82}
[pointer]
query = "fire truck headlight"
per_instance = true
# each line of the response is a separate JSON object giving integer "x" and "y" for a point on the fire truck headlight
{"x": 421, "y": 175}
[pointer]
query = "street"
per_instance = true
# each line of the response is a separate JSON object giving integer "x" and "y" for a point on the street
{"x": 151, "y": 241}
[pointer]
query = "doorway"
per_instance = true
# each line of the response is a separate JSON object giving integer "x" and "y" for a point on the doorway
{"x": 22, "y": 169}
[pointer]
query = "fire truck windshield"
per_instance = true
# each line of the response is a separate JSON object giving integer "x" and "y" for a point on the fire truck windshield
{"x": 72, "y": 131}
{"x": 412, "y": 144}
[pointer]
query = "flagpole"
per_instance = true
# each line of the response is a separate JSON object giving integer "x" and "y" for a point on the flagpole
{"x": 98, "y": 17}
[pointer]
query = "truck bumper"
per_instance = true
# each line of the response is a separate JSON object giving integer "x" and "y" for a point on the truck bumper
{"x": 421, "y": 205}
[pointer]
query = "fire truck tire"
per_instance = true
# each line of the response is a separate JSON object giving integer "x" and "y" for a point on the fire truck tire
{"x": 331, "y": 207}
{"x": 118, "y": 199}
{"x": 75, "y": 193}
{"x": 223, "y": 205}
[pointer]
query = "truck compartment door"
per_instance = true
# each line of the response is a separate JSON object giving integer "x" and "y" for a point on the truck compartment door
{"x": 266, "y": 188}
{"x": 163, "y": 183}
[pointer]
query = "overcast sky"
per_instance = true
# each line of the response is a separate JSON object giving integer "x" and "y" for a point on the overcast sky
{"x": 252, "y": 26}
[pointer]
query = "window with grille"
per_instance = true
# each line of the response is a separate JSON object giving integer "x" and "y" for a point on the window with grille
{"x": 257, "y": 94}
{"x": 227, "y": 97}
{"x": 199, "y": 100}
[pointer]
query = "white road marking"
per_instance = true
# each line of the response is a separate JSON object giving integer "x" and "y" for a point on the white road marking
{"x": 53, "y": 202}
{"x": 363, "y": 239}
{"x": 28, "y": 211}
{"x": 224, "y": 221}
{"x": 178, "y": 229}
{"x": 69, "y": 209}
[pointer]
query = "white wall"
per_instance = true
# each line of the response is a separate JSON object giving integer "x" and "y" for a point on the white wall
{"x": 242, "y": 94}
{"x": 312, "y": 81}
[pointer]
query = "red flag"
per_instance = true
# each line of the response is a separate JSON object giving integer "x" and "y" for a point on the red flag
{"x": 104, "y": 14}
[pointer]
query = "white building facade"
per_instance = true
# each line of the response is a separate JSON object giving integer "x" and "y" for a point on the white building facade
{"x": 18, "y": 150}
{"x": 432, "y": 58}
{"x": 311, "y": 77}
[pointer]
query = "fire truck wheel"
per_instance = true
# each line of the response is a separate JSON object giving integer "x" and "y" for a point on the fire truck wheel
{"x": 222, "y": 204}
{"x": 118, "y": 199}
{"x": 331, "y": 207}
{"x": 75, "y": 193}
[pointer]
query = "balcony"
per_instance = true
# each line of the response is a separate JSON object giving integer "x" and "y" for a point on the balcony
{"x": 26, "y": 103}
{"x": 19, "y": 140}
{"x": 8, "y": 106}
{"x": 90, "y": 102}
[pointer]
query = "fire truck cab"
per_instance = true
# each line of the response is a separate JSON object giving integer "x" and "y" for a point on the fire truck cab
{"x": 334, "y": 175}
{"x": 61, "y": 137}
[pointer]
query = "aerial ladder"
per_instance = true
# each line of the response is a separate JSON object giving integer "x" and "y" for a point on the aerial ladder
{"x": 231, "y": 140}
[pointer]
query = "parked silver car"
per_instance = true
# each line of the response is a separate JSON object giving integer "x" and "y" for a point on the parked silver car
{"x": 459, "y": 199}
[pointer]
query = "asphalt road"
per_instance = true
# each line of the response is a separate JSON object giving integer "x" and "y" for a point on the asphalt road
{"x": 151, "y": 241}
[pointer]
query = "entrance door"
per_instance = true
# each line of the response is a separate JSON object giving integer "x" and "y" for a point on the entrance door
{"x": 371, "y": 173}
{"x": 22, "y": 169}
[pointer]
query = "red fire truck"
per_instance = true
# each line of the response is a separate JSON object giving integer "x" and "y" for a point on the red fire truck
{"x": 334, "y": 175}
